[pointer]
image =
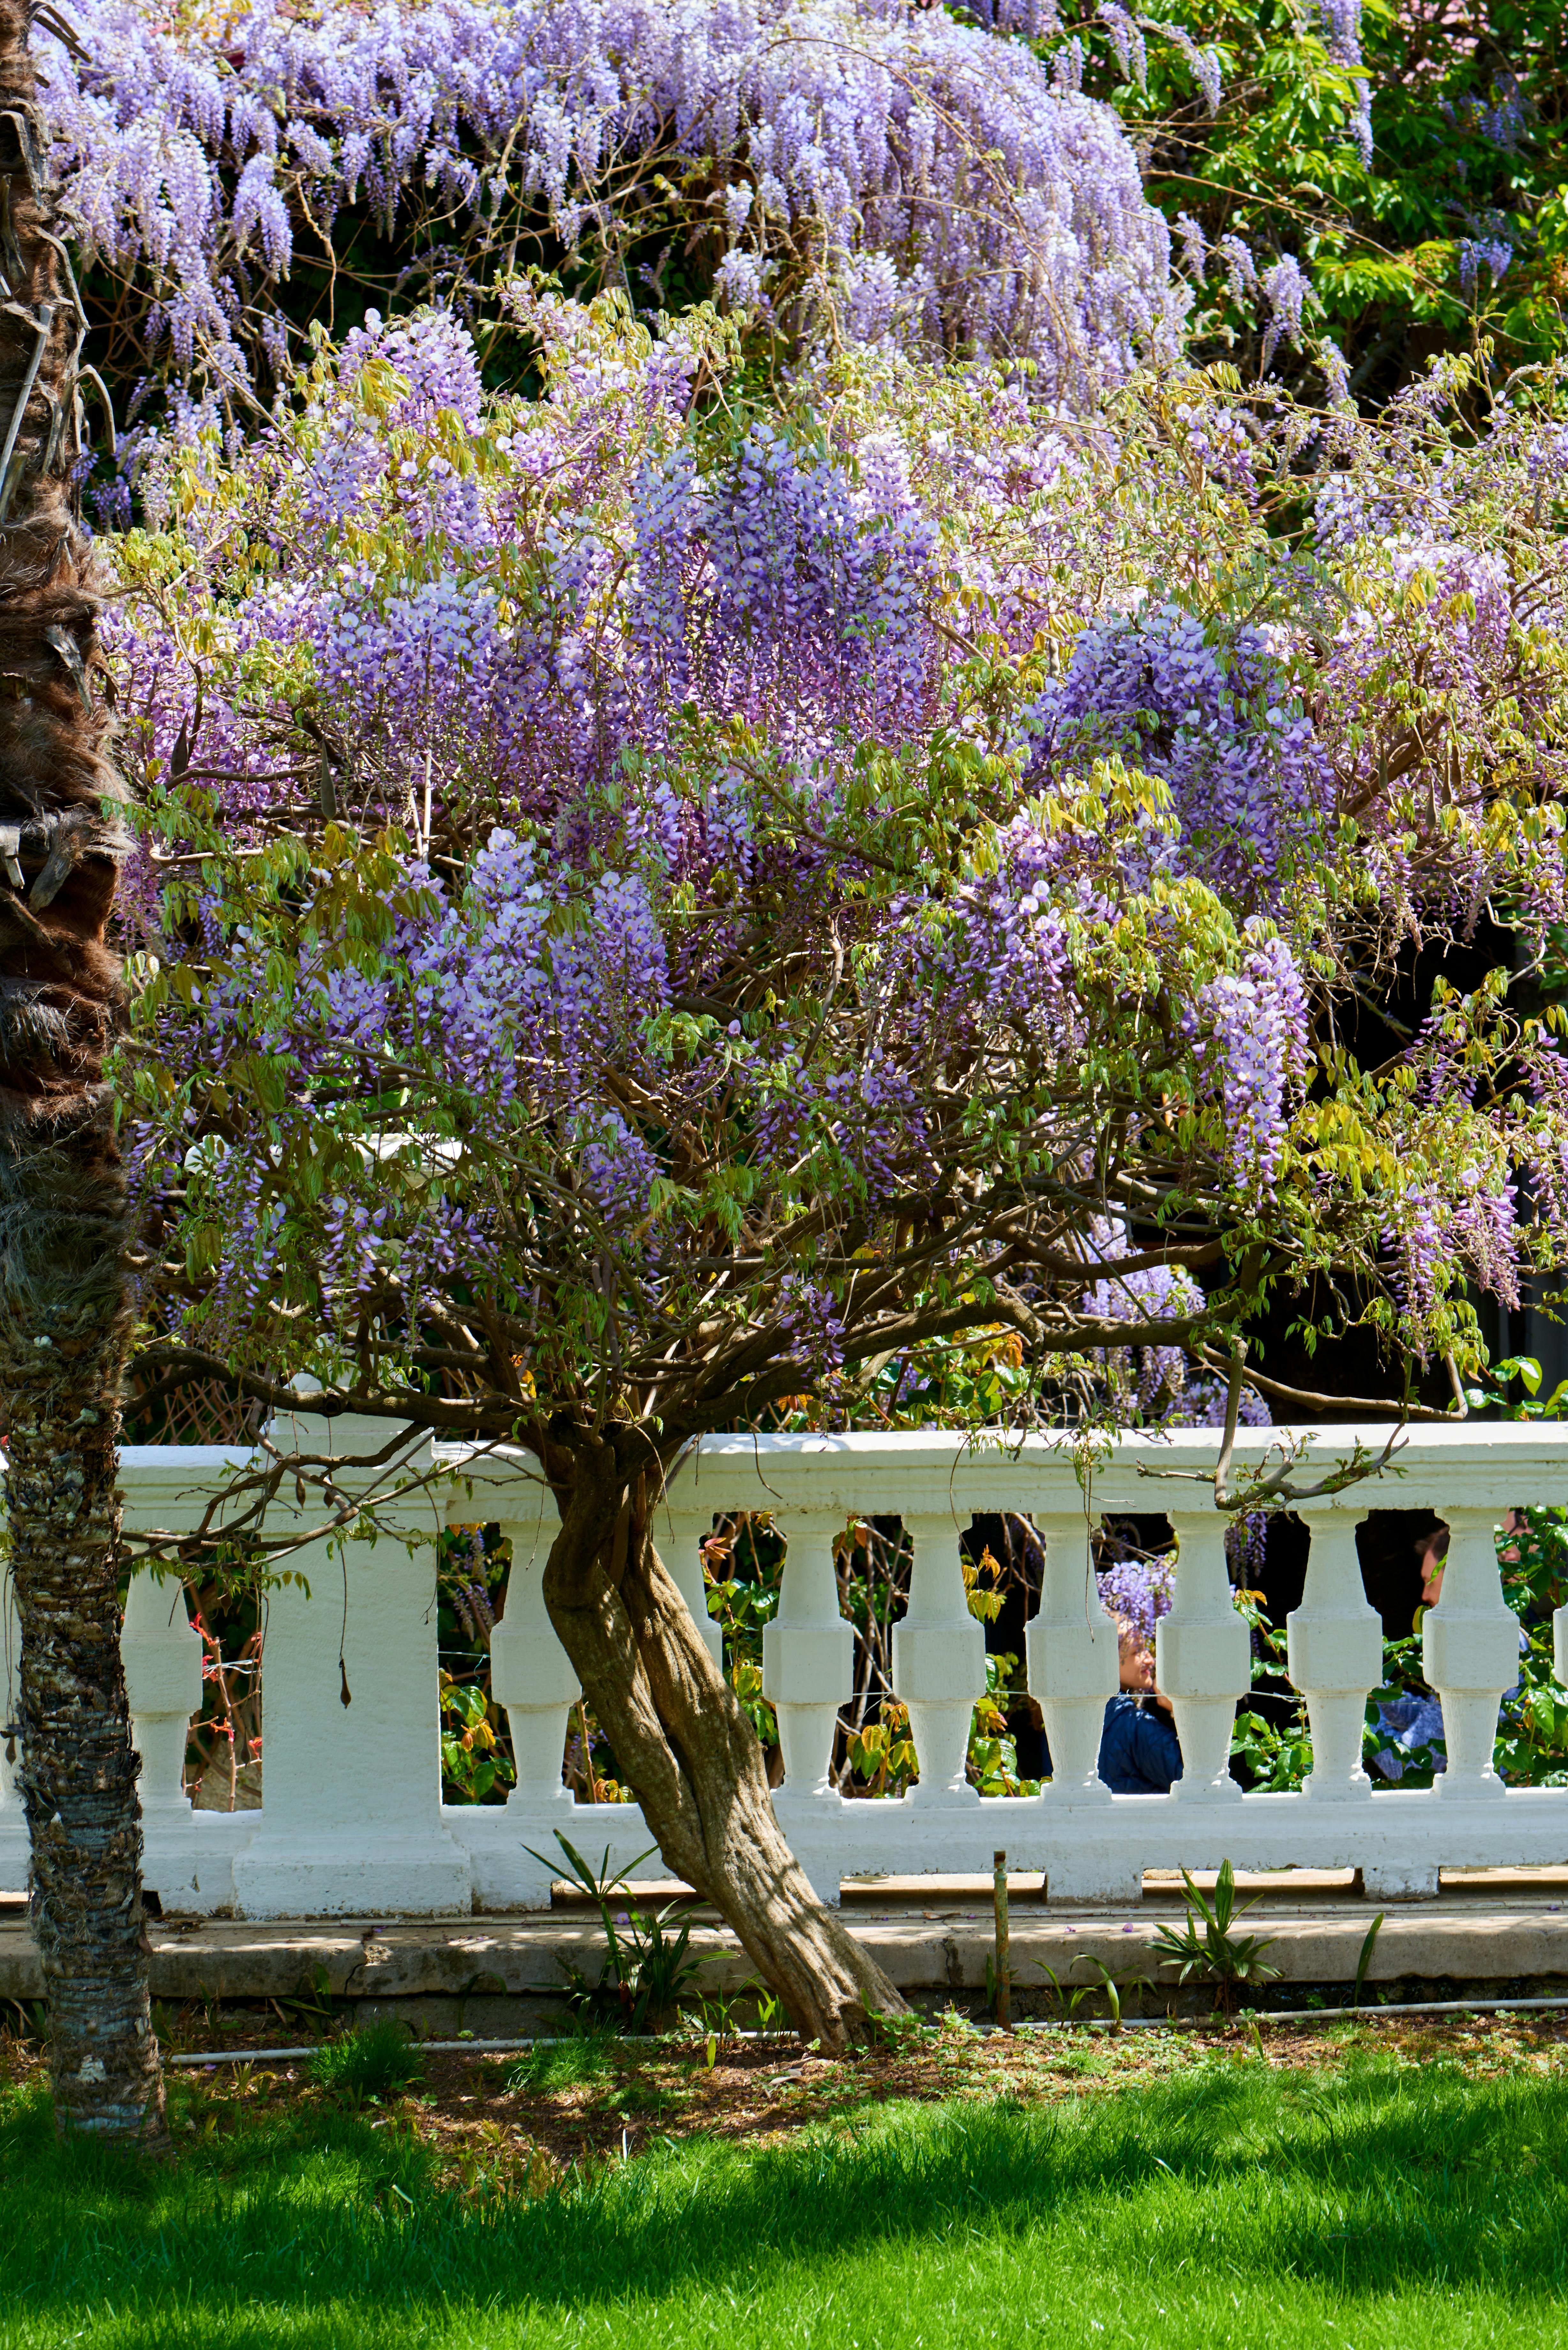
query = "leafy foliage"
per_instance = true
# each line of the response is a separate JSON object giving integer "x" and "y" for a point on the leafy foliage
{"x": 475, "y": 1745}
{"x": 1275, "y": 1755}
{"x": 1410, "y": 161}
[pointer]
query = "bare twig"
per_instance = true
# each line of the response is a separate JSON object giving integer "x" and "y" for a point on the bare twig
{"x": 1275, "y": 1488}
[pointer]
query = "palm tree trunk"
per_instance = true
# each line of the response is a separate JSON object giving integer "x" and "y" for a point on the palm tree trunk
{"x": 67, "y": 1303}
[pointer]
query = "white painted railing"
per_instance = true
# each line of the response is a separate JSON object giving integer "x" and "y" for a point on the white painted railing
{"x": 352, "y": 1820}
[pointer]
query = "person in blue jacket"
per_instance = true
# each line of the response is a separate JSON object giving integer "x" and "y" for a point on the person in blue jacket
{"x": 1141, "y": 1753}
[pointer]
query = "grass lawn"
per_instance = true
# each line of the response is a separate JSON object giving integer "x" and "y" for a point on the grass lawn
{"x": 1385, "y": 2188}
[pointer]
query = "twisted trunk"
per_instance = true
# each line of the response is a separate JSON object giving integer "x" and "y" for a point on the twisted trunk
{"x": 66, "y": 1305}
{"x": 682, "y": 1740}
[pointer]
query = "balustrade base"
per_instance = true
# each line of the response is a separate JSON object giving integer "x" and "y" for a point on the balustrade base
{"x": 1195, "y": 1794}
{"x": 385, "y": 1871}
{"x": 501, "y": 1841}
{"x": 1085, "y": 1853}
{"x": 1487, "y": 1789}
{"x": 1098, "y": 1852}
{"x": 1318, "y": 1790}
{"x": 1075, "y": 1794}
{"x": 188, "y": 1857}
{"x": 188, "y": 1871}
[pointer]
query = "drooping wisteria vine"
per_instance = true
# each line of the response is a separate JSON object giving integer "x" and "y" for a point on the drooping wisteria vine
{"x": 849, "y": 170}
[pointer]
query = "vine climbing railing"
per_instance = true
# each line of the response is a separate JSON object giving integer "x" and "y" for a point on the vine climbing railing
{"x": 360, "y": 1826}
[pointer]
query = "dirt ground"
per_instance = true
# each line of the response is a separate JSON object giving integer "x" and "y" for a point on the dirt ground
{"x": 498, "y": 2122}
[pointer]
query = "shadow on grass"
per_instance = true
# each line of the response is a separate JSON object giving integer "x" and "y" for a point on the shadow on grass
{"x": 1364, "y": 2180}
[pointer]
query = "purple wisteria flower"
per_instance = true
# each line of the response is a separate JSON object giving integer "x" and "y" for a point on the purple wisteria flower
{"x": 1138, "y": 1592}
{"x": 1492, "y": 254}
{"x": 1216, "y": 721}
{"x": 1248, "y": 1033}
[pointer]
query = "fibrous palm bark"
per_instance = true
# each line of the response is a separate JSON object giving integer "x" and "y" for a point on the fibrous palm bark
{"x": 66, "y": 1298}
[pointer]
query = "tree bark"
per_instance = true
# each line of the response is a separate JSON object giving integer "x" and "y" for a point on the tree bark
{"x": 682, "y": 1742}
{"x": 67, "y": 1300}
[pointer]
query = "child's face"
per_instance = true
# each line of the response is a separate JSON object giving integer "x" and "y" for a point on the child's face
{"x": 1137, "y": 1663}
{"x": 1432, "y": 1563}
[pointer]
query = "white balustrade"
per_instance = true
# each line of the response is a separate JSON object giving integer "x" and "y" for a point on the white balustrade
{"x": 1203, "y": 1659}
{"x": 188, "y": 1857}
{"x": 530, "y": 1673}
{"x": 808, "y": 1654}
{"x": 352, "y": 1820}
{"x": 511, "y": 1849}
{"x": 162, "y": 1650}
{"x": 1334, "y": 1656}
{"x": 939, "y": 1662}
{"x": 1071, "y": 1650}
{"x": 1334, "y": 1653}
{"x": 1469, "y": 1653}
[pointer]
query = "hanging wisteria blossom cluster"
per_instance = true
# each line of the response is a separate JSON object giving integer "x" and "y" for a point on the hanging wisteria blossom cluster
{"x": 848, "y": 169}
{"x": 653, "y": 909}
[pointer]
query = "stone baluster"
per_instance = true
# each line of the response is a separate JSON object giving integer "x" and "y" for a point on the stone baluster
{"x": 161, "y": 1651}
{"x": 678, "y": 1531}
{"x": 939, "y": 1662}
{"x": 530, "y": 1673}
{"x": 1203, "y": 1655}
{"x": 1072, "y": 1650}
{"x": 808, "y": 1654}
{"x": 1334, "y": 1647}
{"x": 1470, "y": 1654}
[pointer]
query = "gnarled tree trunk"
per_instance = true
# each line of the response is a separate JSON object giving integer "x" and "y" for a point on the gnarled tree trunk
{"x": 67, "y": 1305}
{"x": 683, "y": 1741}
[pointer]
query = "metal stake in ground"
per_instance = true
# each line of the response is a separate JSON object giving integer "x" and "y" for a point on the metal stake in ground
{"x": 1004, "y": 1979}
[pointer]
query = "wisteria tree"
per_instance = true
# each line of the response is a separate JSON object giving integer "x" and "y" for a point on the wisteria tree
{"x": 860, "y": 821}
{"x": 837, "y": 174}
{"x": 653, "y": 910}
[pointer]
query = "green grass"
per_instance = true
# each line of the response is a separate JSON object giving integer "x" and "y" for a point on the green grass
{"x": 1373, "y": 2202}
{"x": 379, "y": 2063}
{"x": 564, "y": 2064}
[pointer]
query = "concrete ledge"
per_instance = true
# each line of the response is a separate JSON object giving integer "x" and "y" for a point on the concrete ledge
{"x": 1471, "y": 1937}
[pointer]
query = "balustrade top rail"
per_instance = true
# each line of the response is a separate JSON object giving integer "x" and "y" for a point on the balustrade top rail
{"x": 1477, "y": 1464}
{"x": 353, "y": 1822}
